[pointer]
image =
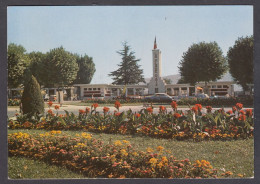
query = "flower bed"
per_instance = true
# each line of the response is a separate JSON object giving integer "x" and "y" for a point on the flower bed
{"x": 14, "y": 102}
{"x": 191, "y": 124}
{"x": 119, "y": 159}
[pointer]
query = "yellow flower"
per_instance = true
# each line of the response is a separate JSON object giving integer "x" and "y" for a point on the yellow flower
{"x": 160, "y": 148}
{"x": 123, "y": 152}
{"x": 164, "y": 159}
{"x": 118, "y": 143}
{"x": 126, "y": 142}
{"x": 153, "y": 161}
{"x": 86, "y": 135}
{"x": 149, "y": 150}
{"x": 135, "y": 153}
{"x": 160, "y": 164}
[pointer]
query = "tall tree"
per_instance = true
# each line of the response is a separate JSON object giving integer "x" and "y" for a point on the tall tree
{"x": 17, "y": 63}
{"x": 61, "y": 68}
{"x": 86, "y": 69}
{"x": 32, "y": 101}
{"x": 129, "y": 71}
{"x": 36, "y": 67}
{"x": 203, "y": 62}
{"x": 240, "y": 60}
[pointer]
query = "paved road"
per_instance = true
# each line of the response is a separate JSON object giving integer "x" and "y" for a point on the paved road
{"x": 75, "y": 109}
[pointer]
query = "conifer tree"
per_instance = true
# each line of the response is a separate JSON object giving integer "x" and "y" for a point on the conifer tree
{"x": 32, "y": 100}
{"x": 129, "y": 71}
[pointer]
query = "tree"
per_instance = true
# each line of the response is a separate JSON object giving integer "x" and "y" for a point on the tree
{"x": 203, "y": 62}
{"x": 61, "y": 68}
{"x": 36, "y": 67}
{"x": 86, "y": 70}
{"x": 32, "y": 100}
{"x": 17, "y": 63}
{"x": 129, "y": 71}
{"x": 240, "y": 60}
{"x": 167, "y": 81}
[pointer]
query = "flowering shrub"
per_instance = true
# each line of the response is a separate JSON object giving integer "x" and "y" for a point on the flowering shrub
{"x": 119, "y": 159}
{"x": 14, "y": 102}
{"x": 191, "y": 124}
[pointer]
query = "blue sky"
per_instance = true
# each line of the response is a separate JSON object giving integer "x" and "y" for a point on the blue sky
{"x": 99, "y": 31}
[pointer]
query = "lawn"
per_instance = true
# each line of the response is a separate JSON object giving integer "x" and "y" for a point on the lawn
{"x": 235, "y": 156}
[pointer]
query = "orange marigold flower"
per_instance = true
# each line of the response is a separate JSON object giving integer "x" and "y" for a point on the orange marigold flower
{"x": 95, "y": 105}
{"x": 150, "y": 109}
{"x": 249, "y": 112}
{"x": 174, "y": 105}
{"x": 50, "y": 103}
{"x": 239, "y": 106}
{"x": 81, "y": 111}
{"x": 117, "y": 104}
{"x": 56, "y": 107}
{"x": 105, "y": 109}
{"x": 177, "y": 115}
{"x": 234, "y": 109}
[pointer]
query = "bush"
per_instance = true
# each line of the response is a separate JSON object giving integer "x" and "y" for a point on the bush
{"x": 32, "y": 101}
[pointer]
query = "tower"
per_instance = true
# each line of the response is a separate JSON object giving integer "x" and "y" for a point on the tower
{"x": 156, "y": 84}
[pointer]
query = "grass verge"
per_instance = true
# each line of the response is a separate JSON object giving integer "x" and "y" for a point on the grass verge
{"x": 235, "y": 156}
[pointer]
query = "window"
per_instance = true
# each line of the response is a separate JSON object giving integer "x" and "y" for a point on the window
{"x": 98, "y": 88}
{"x": 219, "y": 86}
{"x": 225, "y": 86}
{"x": 94, "y": 89}
{"x": 213, "y": 86}
{"x": 156, "y": 90}
{"x": 90, "y": 89}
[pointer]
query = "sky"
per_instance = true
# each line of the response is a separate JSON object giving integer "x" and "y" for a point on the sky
{"x": 99, "y": 31}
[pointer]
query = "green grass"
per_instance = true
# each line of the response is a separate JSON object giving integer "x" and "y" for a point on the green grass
{"x": 235, "y": 156}
{"x": 22, "y": 168}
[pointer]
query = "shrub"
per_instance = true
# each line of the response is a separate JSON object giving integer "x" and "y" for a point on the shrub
{"x": 32, "y": 100}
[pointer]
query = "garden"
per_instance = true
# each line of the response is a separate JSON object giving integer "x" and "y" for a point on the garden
{"x": 118, "y": 144}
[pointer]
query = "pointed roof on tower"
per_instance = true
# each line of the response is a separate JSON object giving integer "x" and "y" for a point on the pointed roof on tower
{"x": 155, "y": 44}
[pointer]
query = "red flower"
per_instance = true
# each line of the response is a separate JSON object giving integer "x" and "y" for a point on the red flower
{"x": 50, "y": 111}
{"x": 81, "y": 111}
{"x": 117, "y": 114}
{"x": 234, "y": 109}
{"x": 199, "y": 106}
{"x": 137, "y": 115}
{"x": 105, "y": 109}
{"x": 242, "y": 118}
{"x": 209, "y": 109}
{"x": 177, "y": 115}
{"x": 150, "y": 109}
{"x": 239, "y": 106}
{"x": 95, "y": 105}
{"x": 162, "y": 108}
{"x": 117, "y": 104}
{"x": 87, "y": 110}
{"x": 50, "y": 103}
{"x": 56, "y": 107}
{"x": 249, "y": 112}
{"x": 174, "y": 105}
{"x": 229, "y": 112}
{"x": 242, "y": 112}
{"x": 195, "y": 109}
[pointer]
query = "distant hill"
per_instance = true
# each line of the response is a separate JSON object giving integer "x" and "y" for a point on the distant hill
{"x": 174, "y": 79}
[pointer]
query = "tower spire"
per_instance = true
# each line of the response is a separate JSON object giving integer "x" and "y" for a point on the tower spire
{"x": 155, "y": 44}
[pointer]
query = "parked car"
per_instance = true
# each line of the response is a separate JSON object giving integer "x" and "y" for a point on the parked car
{"x": 159, "y": 97}
{"x": 202, "y": 96}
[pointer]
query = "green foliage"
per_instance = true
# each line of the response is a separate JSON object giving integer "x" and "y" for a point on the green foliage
{"x": 240, "y": 60}
{"x": 61, "y": 68}
{"x": 129, "y": 71}
{"x": 167, "y": 81}
{"x": 32, "y": 100}
{"x": 86, "y": 70}
{"x": 36, "y": 67}
{"x": 17, "y": 62}
{"x": 203, "y": 62}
